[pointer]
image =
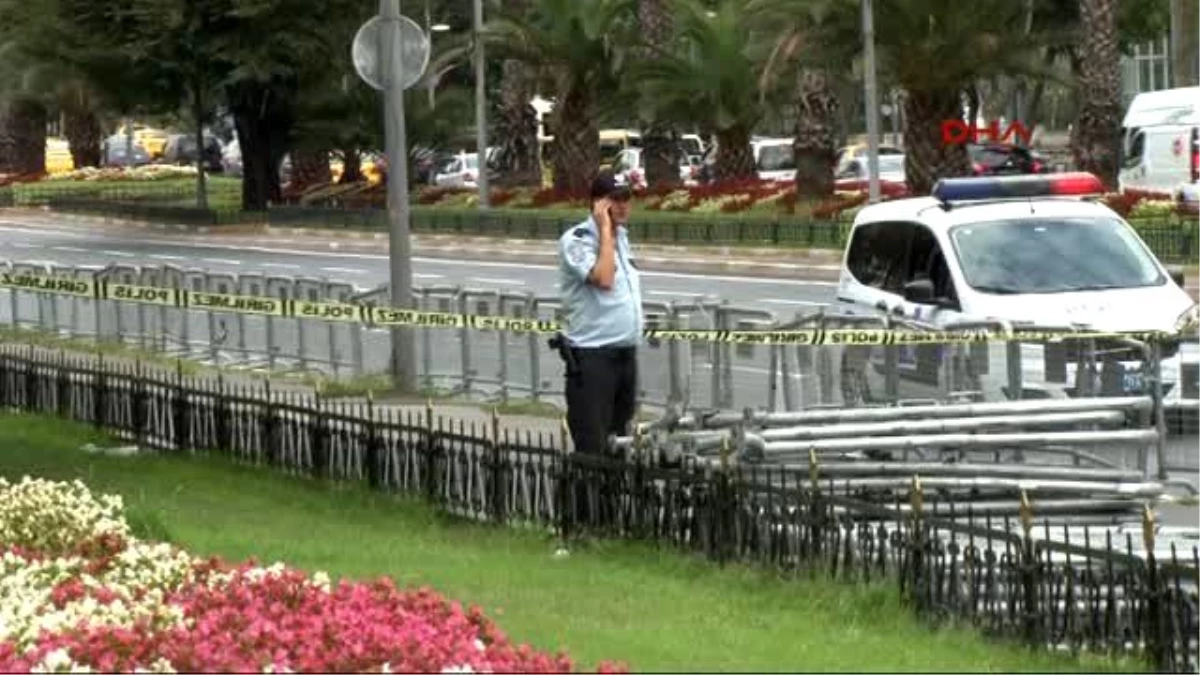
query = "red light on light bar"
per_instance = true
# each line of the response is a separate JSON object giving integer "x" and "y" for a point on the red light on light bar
{"x": 1075, "y": 183}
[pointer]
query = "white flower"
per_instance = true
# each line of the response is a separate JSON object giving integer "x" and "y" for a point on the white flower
{"x": 52, "y": 517}
{"x": 57, "y": 661}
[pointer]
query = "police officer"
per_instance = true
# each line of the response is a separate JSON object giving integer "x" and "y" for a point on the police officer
{"x": 602, "y": 296}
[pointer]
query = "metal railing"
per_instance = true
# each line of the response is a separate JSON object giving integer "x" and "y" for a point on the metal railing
{"x": 807, "y": 388}
{"x": 1087, "y": 589}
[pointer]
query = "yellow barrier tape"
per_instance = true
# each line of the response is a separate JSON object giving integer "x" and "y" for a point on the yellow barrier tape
{"x": 143, "y": 294}
{"x": 328, "y": 311}
{"x": 241, "y": 304}
{"x": 388, "y": 317}
{"x": 39, "y": 282}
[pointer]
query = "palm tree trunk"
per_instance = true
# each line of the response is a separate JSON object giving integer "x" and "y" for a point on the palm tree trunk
{"x": 973, "y": 102}
{"x": 82, "y": 129}
{"x": 1096, "y": 135}
{"x": 926, "y": 157}
{"x": 576, "y": 152}
{"x": 815, "y": 137}
{"x": 309, "y": 167}
{"x": 23, "y": 137}
{"x": 735, "y": 161}
{"x": 660, "y": 146}
{"x": 351, "y": 166}
{"x": 518, "y": 154}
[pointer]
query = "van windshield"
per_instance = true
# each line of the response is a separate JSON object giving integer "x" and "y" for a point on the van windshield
{"x": 1053, "y": 255}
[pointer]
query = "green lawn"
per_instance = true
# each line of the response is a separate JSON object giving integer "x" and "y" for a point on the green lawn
{"x": 654, "y": 610}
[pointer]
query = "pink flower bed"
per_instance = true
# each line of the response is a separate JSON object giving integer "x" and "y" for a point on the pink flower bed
{"x": 114, "y": 604}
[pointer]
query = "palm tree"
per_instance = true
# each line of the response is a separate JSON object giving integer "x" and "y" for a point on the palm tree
{"x": 812, "y": 36}
{"x": 1095, "y": 136}
{"x": 22, "y": 135}
{"x": 935, "y": 50}
{"x": 709, "y": 78}
{"x": 518, "y": 155}
{"x": 659, "y": 142}
{"x": 573, "y": 46}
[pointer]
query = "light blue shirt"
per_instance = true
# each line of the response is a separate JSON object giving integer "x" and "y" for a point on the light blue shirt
{"x": 597, "y": 317}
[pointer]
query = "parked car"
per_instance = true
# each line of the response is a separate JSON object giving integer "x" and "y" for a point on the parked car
{"x": 115, "y": 152}
{"x": 461, "y": 170}
{"x": 630, "y": 165}
{"x": 181, "y": 150}
{"x": 891, "y": 169}
{"x": 849, "y": 154}
{"x": 1004, "y": 159}
{"x": 775, "y": 158}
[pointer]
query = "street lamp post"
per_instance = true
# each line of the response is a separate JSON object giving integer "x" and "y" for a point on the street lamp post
{"x": 868, "y": 27}
{"x": 404, "y": 347}
{"x": 481, "y": 139}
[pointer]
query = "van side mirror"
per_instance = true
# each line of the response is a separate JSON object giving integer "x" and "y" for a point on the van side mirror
{"x": 1177, "y": 274}
{"x": 919, "y": 291}
{"x": 922, "y": 292}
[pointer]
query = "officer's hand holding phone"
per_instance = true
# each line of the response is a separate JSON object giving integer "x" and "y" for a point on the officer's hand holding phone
{"x": 601, "y": 213}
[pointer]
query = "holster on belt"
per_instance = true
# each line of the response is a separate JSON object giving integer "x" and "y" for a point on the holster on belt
{"x": 559, "y": 343}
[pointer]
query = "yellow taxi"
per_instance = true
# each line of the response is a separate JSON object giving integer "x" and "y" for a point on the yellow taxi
{"x": 153, "y": 140}
{"x": 58, "y": 156}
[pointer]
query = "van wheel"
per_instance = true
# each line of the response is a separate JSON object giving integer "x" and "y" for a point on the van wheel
{"x": 855, "y": 389}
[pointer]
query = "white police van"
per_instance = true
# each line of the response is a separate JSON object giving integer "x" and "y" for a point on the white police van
{"x": 1027, "y": 250}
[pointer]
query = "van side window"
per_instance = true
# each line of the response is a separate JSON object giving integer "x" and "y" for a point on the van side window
{"x": 1136, "y": 147}
{"x": 927, "y": 261}
{"x": 878, "y": 254}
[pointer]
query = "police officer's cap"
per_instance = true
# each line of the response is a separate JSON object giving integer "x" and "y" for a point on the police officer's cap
{"x": 611, "y": 185}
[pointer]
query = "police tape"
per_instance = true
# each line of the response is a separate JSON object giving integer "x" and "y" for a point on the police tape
{"x": 387, "y": 317}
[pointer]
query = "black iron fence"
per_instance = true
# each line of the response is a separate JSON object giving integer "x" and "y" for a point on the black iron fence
{"x": 1105, "y": 594}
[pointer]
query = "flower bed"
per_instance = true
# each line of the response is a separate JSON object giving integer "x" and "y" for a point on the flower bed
{"x": 79, "y": 593}
{"x": 148, "y": 172}
{"x": 751, "y": 198}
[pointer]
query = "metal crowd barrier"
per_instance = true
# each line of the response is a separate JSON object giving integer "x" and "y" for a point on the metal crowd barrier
{"x": 693, "y": 376}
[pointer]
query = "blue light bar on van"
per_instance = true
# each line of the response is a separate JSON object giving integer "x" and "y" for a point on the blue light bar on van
{"x": 1076, "y": 184}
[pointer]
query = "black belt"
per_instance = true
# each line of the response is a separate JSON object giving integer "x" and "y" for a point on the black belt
{"x": 611, "y": 350}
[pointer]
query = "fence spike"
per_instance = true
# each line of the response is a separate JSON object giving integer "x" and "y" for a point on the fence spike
{"x": 1148, "y": 527}
{"x": 814, "y": 470}
{"x": 1026, "y": 512}
{"x": 917, "y": 498}
{"x": 565, "y": 432}
{"x": 725, "y": 454}
{"x": 496, "y": 425}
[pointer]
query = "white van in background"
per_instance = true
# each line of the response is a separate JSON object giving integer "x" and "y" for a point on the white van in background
{"x": 1161, "y": 141}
